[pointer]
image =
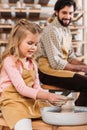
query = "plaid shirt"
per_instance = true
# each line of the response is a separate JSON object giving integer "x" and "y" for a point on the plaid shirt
{"x": 51, "y": 45}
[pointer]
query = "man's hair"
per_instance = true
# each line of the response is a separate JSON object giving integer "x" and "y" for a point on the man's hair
{"x": 60, "y": 4}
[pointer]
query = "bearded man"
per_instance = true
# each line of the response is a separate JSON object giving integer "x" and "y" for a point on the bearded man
{"x": 57, "y": 62}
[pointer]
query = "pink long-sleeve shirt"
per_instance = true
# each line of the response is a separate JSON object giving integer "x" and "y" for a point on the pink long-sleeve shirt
{"x": 11, "y": 73}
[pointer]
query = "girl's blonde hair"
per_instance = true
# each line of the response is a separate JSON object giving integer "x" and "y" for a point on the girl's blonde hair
{"x": 18, "y": 33}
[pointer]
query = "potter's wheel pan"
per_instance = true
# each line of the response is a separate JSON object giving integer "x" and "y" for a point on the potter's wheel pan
{"x": 52, "y": 115}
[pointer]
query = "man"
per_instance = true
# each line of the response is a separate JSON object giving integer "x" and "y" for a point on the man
{"x": 56, "y": 59}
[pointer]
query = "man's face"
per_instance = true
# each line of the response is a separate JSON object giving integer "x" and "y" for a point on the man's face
{"x": 65, "y": 15}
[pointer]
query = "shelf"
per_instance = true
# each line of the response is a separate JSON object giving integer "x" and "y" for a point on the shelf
{"x": 78, "y": 41}
{"x": 4, "y": 42}
{"x": 75, "y": 32}
{"x": 77, "y": 27}
{"x": 7, "y": 10}
{"x": 30, "y": 5}
{"x": 79, "y": 11}
{"x": 6, "y": 26}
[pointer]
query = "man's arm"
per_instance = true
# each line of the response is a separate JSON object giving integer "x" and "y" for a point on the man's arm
{"x": 77, "y": 62}
{"x": 76, "y": 65}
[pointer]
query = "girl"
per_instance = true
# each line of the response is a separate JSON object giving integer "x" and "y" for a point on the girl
{"x": 21, "y": 94}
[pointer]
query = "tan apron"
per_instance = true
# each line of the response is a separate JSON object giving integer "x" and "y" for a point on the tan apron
{"x": 16, "y": 107}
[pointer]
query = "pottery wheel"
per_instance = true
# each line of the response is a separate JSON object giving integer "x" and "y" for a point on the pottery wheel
{"x": 53, "y": 115}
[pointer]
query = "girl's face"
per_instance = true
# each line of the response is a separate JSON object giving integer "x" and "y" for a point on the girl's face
{"x": 28, "y": 46}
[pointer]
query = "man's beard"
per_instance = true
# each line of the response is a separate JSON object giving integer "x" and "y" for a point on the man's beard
{"x": 64, "y": 24}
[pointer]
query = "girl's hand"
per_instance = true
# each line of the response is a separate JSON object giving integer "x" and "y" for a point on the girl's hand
{"x": 56, "y": 99}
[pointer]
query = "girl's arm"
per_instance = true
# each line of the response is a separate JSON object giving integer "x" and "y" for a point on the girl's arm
{"x": 17, "y": 80}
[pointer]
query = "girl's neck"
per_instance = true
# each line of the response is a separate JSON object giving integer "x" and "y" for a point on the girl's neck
{"x": 27, "y": 63}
